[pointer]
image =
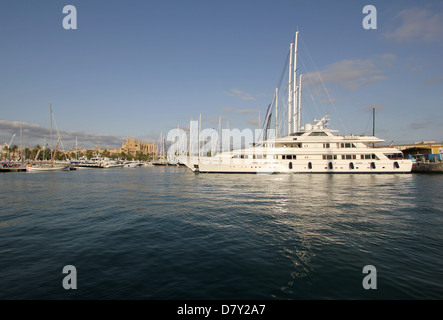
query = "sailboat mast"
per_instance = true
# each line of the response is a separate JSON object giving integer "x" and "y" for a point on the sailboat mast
{"x": 294, "y": 88}
{"x": 50, "y": 128}
{"x": 276, "y": 112}
{"x": 259, "y": 120}
{"x": 190, "y": 138}
{"x": 21, "y": 140}
{"x": 219, "y": 145}
{"x": 199, "y": 130}
{"x": 179, "y": 142}
{"x": 299, "y": 105}
{"x": 373, "y": 124}
{"x": 290, "y": 89}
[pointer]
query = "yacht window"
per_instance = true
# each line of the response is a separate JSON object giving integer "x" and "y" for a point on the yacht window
{"x": 289, "y": 157}
{"x": 326, "y": 145}
{"x": 317, "y": 134}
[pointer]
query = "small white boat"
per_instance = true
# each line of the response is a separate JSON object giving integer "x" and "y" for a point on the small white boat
{"x": 88, "y": 165}
{"x": 131, "y": 164}
{"x": 41, "y": 168}
{"x": 112, "y": 165}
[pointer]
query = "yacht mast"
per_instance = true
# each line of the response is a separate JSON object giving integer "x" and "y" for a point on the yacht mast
{"x": 294, "y": 90}
{"x": 373, "y": 122}
{"x": 290, "y": 89}
{"x": 276, "y": 112}
{"x": 299, "y": 105}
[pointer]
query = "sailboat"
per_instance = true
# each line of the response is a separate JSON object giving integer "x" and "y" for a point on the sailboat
{"x": 161, "y": 162}
{"x": 52, "y": 165}
{"x": 312, "y": 148}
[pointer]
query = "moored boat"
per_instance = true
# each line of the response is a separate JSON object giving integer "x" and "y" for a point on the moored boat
{"x": 312, "y": 148}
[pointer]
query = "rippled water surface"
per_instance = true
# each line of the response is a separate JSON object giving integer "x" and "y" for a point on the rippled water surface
{"x": 167, "y": 233}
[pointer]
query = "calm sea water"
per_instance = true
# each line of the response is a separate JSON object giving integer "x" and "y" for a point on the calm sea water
{"x": 167, "y": 233}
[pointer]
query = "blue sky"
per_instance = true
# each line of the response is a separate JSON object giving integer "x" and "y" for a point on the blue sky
{"x": 136, "y": 68}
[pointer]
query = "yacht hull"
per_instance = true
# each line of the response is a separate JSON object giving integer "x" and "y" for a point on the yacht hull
{"x": 295, "y": 167}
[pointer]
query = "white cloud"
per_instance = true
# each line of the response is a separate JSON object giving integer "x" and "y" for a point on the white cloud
{"x": 242, "y": 95}
{"x": 378, "y": 108}
{"x": 240, "y": 111}
{"x": 34, "y": 134}
{"x": 352, "y": 74}
{"x": 427, "y": 122}
{"x": 418, "y": 25}
{"x": 433, "y": 80}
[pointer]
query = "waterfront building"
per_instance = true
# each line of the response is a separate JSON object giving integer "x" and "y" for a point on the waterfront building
{"x": 134, "y": 148}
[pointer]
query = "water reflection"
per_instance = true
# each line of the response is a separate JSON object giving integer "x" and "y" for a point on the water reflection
{"x": 304, "y": 217}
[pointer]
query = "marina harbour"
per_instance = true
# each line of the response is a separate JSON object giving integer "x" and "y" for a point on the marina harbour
{"x": 208, "y": 152}
{"x": 168, "y": 233}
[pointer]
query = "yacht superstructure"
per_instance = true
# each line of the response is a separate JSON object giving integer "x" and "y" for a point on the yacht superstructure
{"x": 313, "y": 149}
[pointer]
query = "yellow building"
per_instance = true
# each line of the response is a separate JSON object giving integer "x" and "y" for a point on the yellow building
{"x": 423, "y": 147}
{"x": 135, "y": 148}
